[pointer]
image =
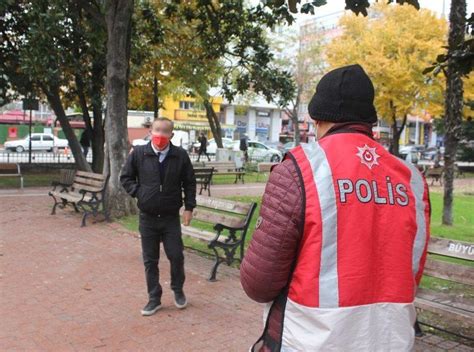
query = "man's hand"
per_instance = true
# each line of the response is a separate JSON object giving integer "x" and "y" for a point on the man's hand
{"x": 187, "y": 217}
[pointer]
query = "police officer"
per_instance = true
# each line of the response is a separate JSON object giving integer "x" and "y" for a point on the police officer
{"x": 341, "y": 240}
{"x": 157, "y": 174}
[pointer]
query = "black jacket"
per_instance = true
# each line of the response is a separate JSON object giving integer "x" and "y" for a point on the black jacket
{"x": 140, "y": 177}
{"x": 203, "y": 141}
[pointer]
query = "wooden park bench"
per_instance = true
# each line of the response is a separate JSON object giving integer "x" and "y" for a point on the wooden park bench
{"x": 11, "y": 170}
{"x": 225, "y": 168}
{"x": 264, "y": 168}
{"x": 230, "y": 221}
{"x": 436, "y": 174}
{"x": 203, "y": 178}
{"x": 86, "y": 193}
{"x": 451, "y": 307}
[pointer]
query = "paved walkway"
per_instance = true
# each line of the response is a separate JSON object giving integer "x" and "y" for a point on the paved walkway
{"x": 66, "y": 288}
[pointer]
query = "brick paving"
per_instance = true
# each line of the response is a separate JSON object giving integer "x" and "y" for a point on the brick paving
{"x": 66, "y": 288}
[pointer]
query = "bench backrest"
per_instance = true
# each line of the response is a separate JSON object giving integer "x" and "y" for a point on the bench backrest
{"x": 89, "y": 181}
{"x": 6, "y": 168}
{"x": 460, "y": 273}
{"x": 203, "y": 173}
{"x": 221, "y": 166}
{"x": 265, "y": 167}
{"x": 222, "y": 211}
{"x": 436, "y": 171}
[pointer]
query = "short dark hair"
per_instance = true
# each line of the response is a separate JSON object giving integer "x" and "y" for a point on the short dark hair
{"x": 164, "y": 119}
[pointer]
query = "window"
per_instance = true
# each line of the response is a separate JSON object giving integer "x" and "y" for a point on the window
{"x": 48, "y": 138}
{"x": 35, "y": 138}
{"x": 186, "y": 105}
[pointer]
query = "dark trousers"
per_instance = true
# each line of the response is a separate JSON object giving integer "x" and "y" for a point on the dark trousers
{"x": 201, "y": 152}
{"x": 165, "y": 229}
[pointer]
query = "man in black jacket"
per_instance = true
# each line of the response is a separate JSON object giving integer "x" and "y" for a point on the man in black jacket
{"x": 157, "y": 174}
{"x": 203, "y": 147}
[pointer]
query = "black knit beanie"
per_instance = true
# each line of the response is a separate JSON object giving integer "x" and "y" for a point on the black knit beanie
{"x": 345, "y": 94}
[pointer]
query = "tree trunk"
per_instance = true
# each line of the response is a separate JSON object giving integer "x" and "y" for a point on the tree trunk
{"x": 155, "y": 93}
{"x": 293, "y": 114}
{"x": 396, "y": 132}
{"x": 118, "y": 16}
{"x": 54, "y": 101}
{"x": 98, "y": 139}
{"x": 214, "y": 123}
{"x": 453, "y": 105}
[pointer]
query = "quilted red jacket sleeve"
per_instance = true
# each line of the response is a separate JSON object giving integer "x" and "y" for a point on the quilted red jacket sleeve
{"x": 266, "y": 267}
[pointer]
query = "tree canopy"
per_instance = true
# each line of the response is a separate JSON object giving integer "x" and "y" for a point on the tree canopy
{"x": 394, "y": 47}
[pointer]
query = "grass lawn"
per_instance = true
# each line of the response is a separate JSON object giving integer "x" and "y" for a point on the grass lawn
{"x": 463, "y": 228}
{"x": 30, "y": 180}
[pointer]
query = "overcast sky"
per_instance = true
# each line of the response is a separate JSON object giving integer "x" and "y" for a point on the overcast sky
{"x": 335, "y": 6}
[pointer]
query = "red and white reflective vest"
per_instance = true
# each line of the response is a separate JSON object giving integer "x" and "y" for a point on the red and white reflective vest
{"x": 363, "y": 249}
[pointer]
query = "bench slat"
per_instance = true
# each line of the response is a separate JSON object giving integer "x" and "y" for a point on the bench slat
{"x": 71, "y": 196}
{"x": 80, "y": 186}
{"x": 265, "y": 167}
{"x": 217, "y": 218}
{"x": 224, "y": 205}
{"x": 88, "y": 181}
{"x": 448, "y": 271}
{"x": 448, "y": 312}
{"x": 458, "y": 301}
{"x": 451, "y": 248}
{"x": 198, "y": 234}
{"x": 92, "y": 175}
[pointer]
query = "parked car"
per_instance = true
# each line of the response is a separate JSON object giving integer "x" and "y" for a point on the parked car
{"x": 260, "y": 152}
{"x": 212, "y": 145}
{"x": 180, "y": 138}
{"x": 413, "y": 148}
{"x": 39, "y": 141}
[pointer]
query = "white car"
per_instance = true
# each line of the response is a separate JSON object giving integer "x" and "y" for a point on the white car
{"x": 258, "y": 151}
{"x": 212, "y": 145}
{"x": 39, "y": 141}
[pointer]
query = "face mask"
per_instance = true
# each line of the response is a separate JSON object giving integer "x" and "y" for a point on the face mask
{"x": 160, "y": 141}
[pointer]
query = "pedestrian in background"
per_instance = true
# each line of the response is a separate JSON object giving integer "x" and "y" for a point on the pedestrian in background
{"x": 203, "y": 147}
{"x": 85, "y": 141}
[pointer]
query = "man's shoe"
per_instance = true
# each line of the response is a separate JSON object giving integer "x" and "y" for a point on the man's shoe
{"x": 180, "y": 300}
{"x": 151, "y": 308}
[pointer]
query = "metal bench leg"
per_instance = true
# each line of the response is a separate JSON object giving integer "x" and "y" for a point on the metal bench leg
{"x": 53, "y": 211}
{"x": 212, "y": 276}
{"x": 418, "y": 331}
{"x": 84, "y": 217}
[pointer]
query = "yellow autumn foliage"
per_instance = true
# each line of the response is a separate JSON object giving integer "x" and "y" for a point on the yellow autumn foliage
{"x": 395, "y": 44}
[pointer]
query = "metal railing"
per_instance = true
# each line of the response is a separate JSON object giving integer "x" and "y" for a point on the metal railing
{"x": 39, "y": 158}
{"x": 62, "y": 157}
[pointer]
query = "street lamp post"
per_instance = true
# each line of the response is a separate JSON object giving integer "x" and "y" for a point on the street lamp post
{"x": 30, "y": 104}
